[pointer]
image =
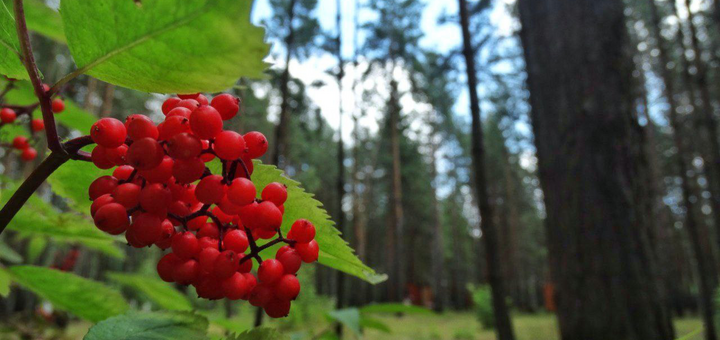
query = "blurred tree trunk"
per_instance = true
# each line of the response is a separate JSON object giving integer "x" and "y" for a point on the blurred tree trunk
{"x": 340, "y": 184}
{"x": 395, "y": 230}
{"x": 592, "y": 170}
{"x": 282, "y": 129}
{"x": 511, "y": 265}
{"x": 438, "y": 242}
{"x": 503, "y": 326}
{"x": 108, "y": 98}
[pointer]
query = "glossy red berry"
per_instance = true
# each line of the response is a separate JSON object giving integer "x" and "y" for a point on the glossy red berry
{"x": 241, "y": 191}
{"x": 277, "y": 308}
{"x": 170, "y": 104}
{"x": 190, "y": 104}
{"x": 183, "y": 146}
{"x": 256, "y": 143}
{"x": 287, "y": 287}
{"x": 188, "y": 96}
{"x": 108, "y": 132}
{"x": 234, "y": 287}
{"x": 302, "y": 231}
{"x": 270, "y": 271}
{"x": 123, "y": 172}
{"x": 21, "y": 142}
{"x": 226, "y": 264}
{"x": 28, "y": 154}
{"x": 180, "y": 111}
{"x": 186, "y": 272}
{"x": 139, "y": 127}
{"x": 206, "y": 122}
{"x": 236, "y": 240}
{"x": 99, "y": 157}
{"x": 155, "y": 198}
{"x": 145, "y": 154}
{"x": 111, "y": 218}
{"x": 127, "y": 194}
{"x": 308, "y": 251}
{"x": 210, "y": 189}
{"x": 229, "y": 145}
{"x": 148, "y": 228}
{"x": 101, "y": 186}
{"x": 207, "y": 257}
{"x": 268, "y": 216}
{"x": 227, "y": 105}
{"x": 37, "y": 125}
{"x": 58, "y": 105}
{"x": 100, "y": 202}
{"x": 290, "y": 260}
{"x": 161, "y": 173}
{"x": 7, "y": 116}
{"x": 166, "y": 267}
{"x": 188, "y": 170}
{"x": 260, "y": 296}
{"x": 275, "y": 192}
{"x": 185, "y": 245}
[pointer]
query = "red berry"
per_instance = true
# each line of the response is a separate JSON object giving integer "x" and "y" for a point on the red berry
{"x": 37, "y": 125}
{"x": 206, "y": 122}
{"x": 241, "y": 192}
{"x": 202, "y": 100}
{"x": 270, "y": 271}
{"x": 206, "y": 157}
{"x": 170, "y": 104}
{"x": 275, "y": 192}
{"x": 197, "y": 222}
{"x": 287, "y": 287}
{"x": 160, "y": 173}
{"x": 139, "y": 127}
{"x": 228, "y": 207}
{"x": 100, "y": 202}
{"x": 227, "y": 105}
{"x": 127, "y": 194}
{"x": 28, "y": 154}
{"x": 207, "y": 257}
{"x": 21, "y": 142}
{"x": 302, "y": 231}
{"x": 186, "y": 272}
{"x": 308, "y": 251}
{"x": 101, "y": 186}
{"x": 290, "y": 260}
{"x": 123, "y": 172}
{"x": 116, "y": 155}
{"x": 172, "y": 126}
{"x": 99, "y": 157}
{"x": 229, "y": 145}
{"x": 236, "y": 240}
{"x": 7, "y": 116}
{"x": 166, "y": 266}
{"x": 180, "y": 111}
{"x": 245, "y": 266}
{"x": 145, "y": 154}
{"x": 210, "y": 189}
{"x": 209, "y": 230}
{"x": 155, "y": 198}
{"x": 185, "y": 245}
{"x": 268, "y": 215}
{"x": 260, "y": 296}
{"x": 234, "y": 287}
{"x": 111, "y": 218}
{"x": 58, "y": 105}
{"x": 168, "y": 231}
{"x": 209, "y": 288}
{"x": 256, "y": 143}
{"x": 148, "y": 228}
{"x": 277, "y": 308}
{"x": 188, "y": 170}
{"x": 226, "y": 264}
{"x": 183, "y": 146}
{"x": 207, "y": 242}
{"x": 190, "y": 104}
{"x": 108, "y": 132}
{"x": 188, "y": 96}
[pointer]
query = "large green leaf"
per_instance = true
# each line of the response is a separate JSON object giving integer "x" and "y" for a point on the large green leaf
{"x": 4, "y": 282}
{"x": 10, "y": 64}
{"x": 163, "y": 294}
{"x": 42, "y": 19}
{"x": 349, "y": 318}
{"x": 261, "y": 333}
{"x": 394, "y": 308}
{"x": 72, "y": 181}
{"x": 169, "y": 46}
{"x": 334, "y": 251}
{"x": 151, "y": 326}
{"x": 85, "y": 298}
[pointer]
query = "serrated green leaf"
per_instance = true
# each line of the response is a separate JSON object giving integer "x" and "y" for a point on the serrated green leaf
{"x": 393, "y": 308}
{"x": 349, "y": 318}
{"x": 10, "y": 64}
{"x": 261, "y": 333}
{"x": 42, "y": 19}
{"x": 167, "y": 46}
{"x": 151, "y": 326}
{"x": 334, "y": 251}
{"x": 5, "y": 281}
{"x": 159, "y": 292}
{"x": 8, "y": 254}
{"x": 87, "y": 299}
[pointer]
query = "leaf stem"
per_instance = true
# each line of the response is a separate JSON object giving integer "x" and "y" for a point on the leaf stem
{"x": 44, "y": 97}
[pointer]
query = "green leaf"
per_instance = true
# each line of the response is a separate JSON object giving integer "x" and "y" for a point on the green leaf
{"x": 8, "y": 254}
{"x": 368, "y": 322}
{"x": 151, "y": 326}
{"x": 35, "y": 248}
{"x": 5, "y": 281}
{"x": 692, "y": 334}
{"x": 334, "y": 251}
{"x": 42, "y": 19}
{"x": 169, "y": 46}
{"x": 72, "y": 181}
{"x": 261, "y": 333}
{"x": 87, "y": 299}
{"x": 10, "y": 64}
{"x": 349, "y": 317}
{"x": 394, "y": 308}
{"x": 163, "y": 294}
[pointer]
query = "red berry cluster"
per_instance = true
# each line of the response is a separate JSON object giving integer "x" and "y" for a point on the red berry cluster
{"x": 161, "y": 193}
{"x": 11, "y": 114}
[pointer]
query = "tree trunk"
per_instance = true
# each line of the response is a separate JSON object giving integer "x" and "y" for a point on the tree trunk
{"x": 282, "y": 129}
{"x": 396, "y": 214}
{"x": 503, "y": 326}
{"x": 592, "y": 170}
{"x": 438, "y": 244}
{"x": 340, "y": 185}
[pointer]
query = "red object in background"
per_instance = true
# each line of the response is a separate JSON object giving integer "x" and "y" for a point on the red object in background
{"x": 549, "y": 295}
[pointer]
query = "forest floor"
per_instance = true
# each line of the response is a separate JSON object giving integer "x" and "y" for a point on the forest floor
{"x": 447, "y": 326}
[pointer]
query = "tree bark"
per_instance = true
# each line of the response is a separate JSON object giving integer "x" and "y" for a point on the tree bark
{"x": 592, "y": 170}
{"x": 438, "y": 244}
{"x": 396, "y": 214}
{"x": 340, "y": 185}
{"x": 503, "y": 326}
{"x": 282, "y": 130}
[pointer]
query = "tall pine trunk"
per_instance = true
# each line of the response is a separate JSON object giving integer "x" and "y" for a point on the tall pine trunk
{"x": 282, "y": 129}
{"x": 340, "y": 184}
{"x": 396, "y": 240}
{"x": 503, "y": 326}
{"x": 592, "y": 170}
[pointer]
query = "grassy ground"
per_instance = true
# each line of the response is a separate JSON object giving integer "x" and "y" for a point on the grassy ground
{"x": 448, "y": 326}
